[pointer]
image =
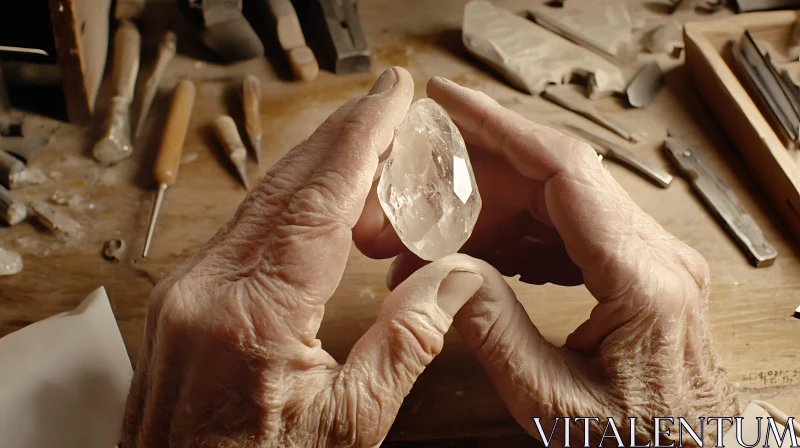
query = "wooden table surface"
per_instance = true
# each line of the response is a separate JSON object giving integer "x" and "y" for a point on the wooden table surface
{"x": 453, "y": 402}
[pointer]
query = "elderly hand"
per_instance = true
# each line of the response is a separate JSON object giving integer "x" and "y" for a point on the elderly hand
{"x": 230, "y": 355}
{"x": 552, "y": 213}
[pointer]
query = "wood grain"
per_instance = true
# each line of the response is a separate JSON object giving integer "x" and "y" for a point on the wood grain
{"x": 80, "y": 29}
{"x": 453, "y": 403}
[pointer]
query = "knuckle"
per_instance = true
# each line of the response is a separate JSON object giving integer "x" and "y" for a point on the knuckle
{"x": 581, "y": 155}
{"x": 317, "y": 204}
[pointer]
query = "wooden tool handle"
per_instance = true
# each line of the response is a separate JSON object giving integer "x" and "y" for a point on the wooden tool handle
{"x": 228, "y": 135}
{"x": 290, "y": 35}
{"x": 127, "y": 45}
{"x": 302, "y": 61}
{"x": 251, "y": 98}
{"x": 169, "y": 153}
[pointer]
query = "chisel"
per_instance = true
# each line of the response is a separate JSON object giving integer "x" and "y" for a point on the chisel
{"x": 115, "y": 145}
{"x": 251, "y": 99}
{"x": 166, "y": 52}
{"x": 619, "y": 154}
{"x": 721, "y": 201}
{"x": 228, "y": 136}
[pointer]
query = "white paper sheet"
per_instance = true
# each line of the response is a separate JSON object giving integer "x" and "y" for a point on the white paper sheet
{"x": 64, "y": 380}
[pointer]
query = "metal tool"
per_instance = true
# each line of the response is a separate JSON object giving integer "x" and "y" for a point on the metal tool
{"x": 228, "y": 136}
{"x": 721, "y": 202}
{"x": 788, "y": 89}
{"x": 251, "y": 102}
{"x": 619, "y": 154}
{"x": 166, "y": 51}
{"x": 169, "y": 153}
{"x": 345, "y": 45}
{"x": 115, "y": 145}
{"x": 766, "y": 89}
{"x": 302, "y": 61}
{"x": 571, "y": 100}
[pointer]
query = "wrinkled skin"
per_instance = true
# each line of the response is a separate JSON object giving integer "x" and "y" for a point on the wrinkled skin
{"x": 553, "y": 213}
{"x": 230, "y": 356}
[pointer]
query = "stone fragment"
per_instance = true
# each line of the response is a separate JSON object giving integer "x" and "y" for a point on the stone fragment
{"x": 56, "y": 221}
{"x": 603, "y": 28}
{"x": 645, "y": 85}
{"x": 427, "y": 188}
{"x": 26, "y": 177}
{"x": 10, "y": 262}
{"x": 528, "y": 55}
{"x": 667, "y": 38}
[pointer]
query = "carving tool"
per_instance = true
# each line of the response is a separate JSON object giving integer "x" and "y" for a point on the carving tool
{"x": 116, "y": 142}
{"x": 166, "y": 51}
{"x": 9, "y": 167}
{"x": 619, "y": 154}
{"x": 340, "y": 33}
{"x": 228, "y": 136}
{"x": 169, "y": 152}
{"x": 721, "y": 201}
{"x": 788, "y": 89}
{"x": 572, "y": 101}
{"x": 766, "y": 90}
{"x": 12, "y": 211}
{"x": 251, "y": 101}
{"x": 302, "y": 62}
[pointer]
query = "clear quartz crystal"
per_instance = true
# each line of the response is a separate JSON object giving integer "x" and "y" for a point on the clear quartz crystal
{"x": 427, "y": 188}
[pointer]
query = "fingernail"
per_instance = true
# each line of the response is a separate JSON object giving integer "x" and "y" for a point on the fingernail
{"x": 385, "y": 82}
{"x": 456, "y": 289}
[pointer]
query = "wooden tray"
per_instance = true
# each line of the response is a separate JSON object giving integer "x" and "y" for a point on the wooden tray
{"x": 708, "y": 57}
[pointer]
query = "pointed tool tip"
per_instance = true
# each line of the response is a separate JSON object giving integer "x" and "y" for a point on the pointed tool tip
{"x": 243, "y": 177}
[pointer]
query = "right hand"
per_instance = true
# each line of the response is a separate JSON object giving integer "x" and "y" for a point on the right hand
{"x": 553, "y": 213}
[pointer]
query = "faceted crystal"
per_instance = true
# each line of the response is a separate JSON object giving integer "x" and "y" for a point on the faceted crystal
{"x": 427, "y": 188}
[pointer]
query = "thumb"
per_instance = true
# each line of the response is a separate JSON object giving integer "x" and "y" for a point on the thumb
{"x": 408, "y": 334}
{"x": 533, "y": 377}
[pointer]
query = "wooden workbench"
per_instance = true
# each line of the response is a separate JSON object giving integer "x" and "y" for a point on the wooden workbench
{"x": 750, "y": 309}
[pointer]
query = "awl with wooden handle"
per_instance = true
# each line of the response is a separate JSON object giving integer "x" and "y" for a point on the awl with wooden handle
{"x": 115, "y": 145}
{"x": 169, "y": 152}
{"x": 721, "y": 201}
{"x": 166, "y": 51}
{"x": 571, "y": 100}
{"x": 251, "y": 101}
{"x": 619, "y": 154}
{"x": 228, "y": 136}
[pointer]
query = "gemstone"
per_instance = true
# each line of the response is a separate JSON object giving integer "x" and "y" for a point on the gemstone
{"x": 427, "y": 188}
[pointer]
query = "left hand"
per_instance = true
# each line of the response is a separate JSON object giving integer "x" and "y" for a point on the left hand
{"x": 230, "y": 355}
